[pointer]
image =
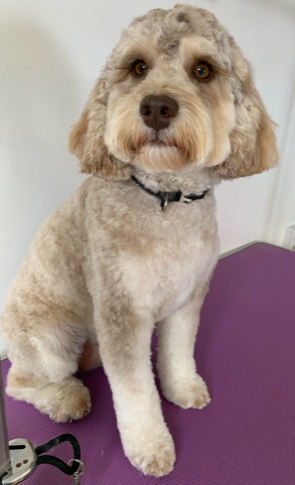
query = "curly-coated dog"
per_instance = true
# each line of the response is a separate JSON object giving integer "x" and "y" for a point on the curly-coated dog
{"x": 174, "y": 112}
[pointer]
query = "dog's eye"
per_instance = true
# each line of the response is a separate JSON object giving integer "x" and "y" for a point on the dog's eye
{"x": 139, "y": 68}
{"x": 203, "y": 72}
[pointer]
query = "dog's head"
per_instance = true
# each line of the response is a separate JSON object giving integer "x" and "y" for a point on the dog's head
{"x": 175, "y": 91}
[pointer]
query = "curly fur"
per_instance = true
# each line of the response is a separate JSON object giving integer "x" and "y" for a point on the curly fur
{"x": 108, "y": 264}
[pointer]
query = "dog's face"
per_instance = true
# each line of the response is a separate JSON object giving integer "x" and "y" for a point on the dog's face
{"x": 175, "y": 91}
{"x": 171, "y": 103}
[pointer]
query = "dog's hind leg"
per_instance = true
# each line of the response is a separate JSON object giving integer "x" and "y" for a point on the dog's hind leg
{"x": 62, "y": 401}
{"x": 42, "y": 371}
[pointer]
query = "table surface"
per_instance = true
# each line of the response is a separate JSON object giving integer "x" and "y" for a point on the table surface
{"x": 245, "y": 353}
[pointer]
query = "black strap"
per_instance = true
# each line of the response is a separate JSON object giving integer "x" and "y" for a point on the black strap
{"x": 166, "y": 197}
{"x": 53, "y": 460}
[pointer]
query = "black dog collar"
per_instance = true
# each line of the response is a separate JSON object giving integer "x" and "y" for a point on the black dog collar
{"x": 166, "y": 197}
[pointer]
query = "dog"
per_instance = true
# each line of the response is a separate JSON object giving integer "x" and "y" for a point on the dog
{"x": 174, "y": 112}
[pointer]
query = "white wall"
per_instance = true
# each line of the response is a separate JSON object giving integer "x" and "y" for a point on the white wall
{"x": 51, "y": 53}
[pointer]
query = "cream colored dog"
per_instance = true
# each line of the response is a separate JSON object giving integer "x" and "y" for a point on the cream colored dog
{"x": 174, "y": 111}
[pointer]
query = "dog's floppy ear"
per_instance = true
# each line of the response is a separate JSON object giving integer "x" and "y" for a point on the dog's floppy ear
{"x": 86, "y": 139}
{"x": 253, "y": 141}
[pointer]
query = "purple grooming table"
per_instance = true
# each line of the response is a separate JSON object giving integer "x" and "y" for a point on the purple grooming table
{"x": 245, "y": 352}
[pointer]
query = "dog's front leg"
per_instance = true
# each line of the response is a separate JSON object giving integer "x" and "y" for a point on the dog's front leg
{"x": 176, "y": 365}
{"x": 124, "y": 338}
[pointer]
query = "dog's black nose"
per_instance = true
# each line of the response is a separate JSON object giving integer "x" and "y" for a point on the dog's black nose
{"x": 158, "y": 111}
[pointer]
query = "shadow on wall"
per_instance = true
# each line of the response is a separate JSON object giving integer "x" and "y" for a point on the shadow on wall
{"x": 37, "y": 98}
{"x": 39, "y": 89}
{"x": 287, "y": 6}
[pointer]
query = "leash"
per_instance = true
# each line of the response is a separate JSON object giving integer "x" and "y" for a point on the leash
{"x": 57, "y": 462}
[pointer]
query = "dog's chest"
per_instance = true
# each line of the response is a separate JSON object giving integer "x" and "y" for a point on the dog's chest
{"x": 173, "y": 281}
{"x": 163, "y": 277}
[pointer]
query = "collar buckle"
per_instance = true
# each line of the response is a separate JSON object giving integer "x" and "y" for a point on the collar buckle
{"x": 183, "y": 198}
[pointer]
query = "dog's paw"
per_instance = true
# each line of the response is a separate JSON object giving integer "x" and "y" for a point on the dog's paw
{"x": 191, "y": 393}
{"x": 151, "y": 455}
{"x": 65, "y": 402}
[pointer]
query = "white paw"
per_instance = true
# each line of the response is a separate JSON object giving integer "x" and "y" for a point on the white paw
{"x": 192, "y": 393}
{"x": 65, "y": 402}
{"x": 152, "y": 455}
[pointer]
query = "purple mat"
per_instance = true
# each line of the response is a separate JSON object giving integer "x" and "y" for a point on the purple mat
{"x": 245, "y": 352}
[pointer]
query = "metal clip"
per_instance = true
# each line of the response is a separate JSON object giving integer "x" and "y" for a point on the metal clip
{"x": 76, "y": 476}
{"x": 23, "y": 461}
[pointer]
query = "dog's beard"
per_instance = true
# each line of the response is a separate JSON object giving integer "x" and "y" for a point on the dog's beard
{"x": 168, "y": 151}
{"x": 157, "y": 156}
